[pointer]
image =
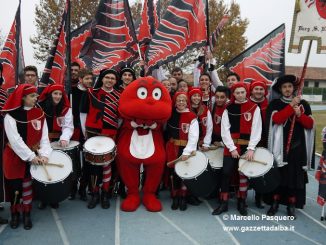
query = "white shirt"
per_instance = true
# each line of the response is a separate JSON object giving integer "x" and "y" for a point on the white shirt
{"x": 255, "y": 134}
{"x": 18, "y": 145}
{"x": 67, "y": 126}
{"x": 209, "y": 130}
{"x": 193, "y": 137}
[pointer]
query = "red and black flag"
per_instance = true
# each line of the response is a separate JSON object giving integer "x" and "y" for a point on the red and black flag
{"x": 78, "y": 38}
{"x": 55, "y": 68}
{"x": 182, "y": 28}
{"x": 214, "y": 37}
{"x": 263, "y": 61}
{"x": 11, "y": 56}
{"x": 112, "y": 39}
{"x": 148, "y": 25}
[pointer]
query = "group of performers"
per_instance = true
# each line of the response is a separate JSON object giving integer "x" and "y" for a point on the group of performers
{"x": 237, "y": 117}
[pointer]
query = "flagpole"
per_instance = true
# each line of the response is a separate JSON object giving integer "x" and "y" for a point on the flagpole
{"x": 300, "y": 87}
{"x": 18, "y": 32}
{"x": 68, "y": 57}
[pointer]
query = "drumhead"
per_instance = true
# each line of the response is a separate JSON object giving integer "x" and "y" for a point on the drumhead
{"x": 215, "y": 157}
{"x": 99, "y": 144}
{"x": 72, "y": 144}
{"x": 253, "y": 169}
{"x": 193, "y": 167}
{"x": 57, "y": 174}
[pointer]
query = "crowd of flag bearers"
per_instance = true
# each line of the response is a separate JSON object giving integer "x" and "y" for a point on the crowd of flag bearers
{"x": 237, "y": 117}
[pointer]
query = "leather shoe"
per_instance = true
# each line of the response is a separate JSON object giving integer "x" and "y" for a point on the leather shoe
{"x": 27, "y": 221}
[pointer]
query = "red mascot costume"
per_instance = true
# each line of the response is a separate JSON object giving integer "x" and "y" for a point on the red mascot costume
{"x": 145, "y": 105}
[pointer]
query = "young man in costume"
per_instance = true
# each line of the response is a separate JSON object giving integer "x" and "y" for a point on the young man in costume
{"x": 99, "y": 116}
{"x": 241, "y": 131}
{"x": 292, "y": 165}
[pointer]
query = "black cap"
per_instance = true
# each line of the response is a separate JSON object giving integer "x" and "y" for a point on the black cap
{"x": 285, "y": 79}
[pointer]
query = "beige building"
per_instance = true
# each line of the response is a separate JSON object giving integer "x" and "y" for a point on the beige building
{"x": 315, "y": 76}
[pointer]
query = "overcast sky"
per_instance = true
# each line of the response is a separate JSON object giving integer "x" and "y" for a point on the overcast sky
{"x": 263, "y": 16}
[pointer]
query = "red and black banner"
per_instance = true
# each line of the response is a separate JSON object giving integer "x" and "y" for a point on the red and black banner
{"x": 263, "y": 61}
{"x": 182, "y": 28}
{"x": 148, "y": 25}
{"x": 11, "y": 56}
{"x": 112, "y": 38}
{"x": 78, "y": 38}
{"x": 55, "y": 68}
{"x": 217, "y": 32}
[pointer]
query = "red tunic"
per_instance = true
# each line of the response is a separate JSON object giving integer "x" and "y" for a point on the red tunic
{"x": 13, "y": 166}
{"x": 217, "y": 118}
{"x": 263, "y": 110}
{"x": 202, "y": 120}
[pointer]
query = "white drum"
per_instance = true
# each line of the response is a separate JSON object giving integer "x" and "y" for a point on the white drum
{"x": 215, "y": 157}
{"x": 197, "y": 175}
{"x": 72, "y": 145}
{"x": 100, "y": 150}
{"x": 58, "y": 187}
{"x": 253, "y": 169}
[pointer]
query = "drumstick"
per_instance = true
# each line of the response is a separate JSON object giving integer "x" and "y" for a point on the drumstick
{"x": 60, "y": 165}
{"x": 46, "y": 172}
{"x": 179, "y": 158}
{"x": 253, "y": 160}
{"x": 16, "y": 195}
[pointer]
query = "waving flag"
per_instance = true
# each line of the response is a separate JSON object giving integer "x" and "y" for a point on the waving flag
{"x": 309, "y": 23}
{"x": 263, "y": 61}
{"x": 182, "y": 28}
{"x": 78, "y": 38}
{"x": 11, "y": 56}
{"x": 213, "y": 38}
{"x": 55, "y": 68}
{"x": 148, "y": 25}
{"x": 112, "y": 39}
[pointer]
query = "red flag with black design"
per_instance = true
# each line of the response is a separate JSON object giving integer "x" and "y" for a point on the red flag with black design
{"x": 78, "y": 38}
{"x": 113, "y": 38}
{"x": 182, "y": 28}
{"x": 263, "y": 61}
{"x": 55, "y": 68}
{"x": 11, "y": 56}
{"x": 148, "y": 25}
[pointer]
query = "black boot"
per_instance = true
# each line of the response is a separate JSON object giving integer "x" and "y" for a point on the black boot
{"x": 223, "y": 207}
{"x": 291, "y": 210}
{"x": 192, "y": 200}
{"x": 73, "y": 191}
{"x": 273, "y": 209}
{"x": 258, "y": 201}
{"x": 175, "y": 203}
{"x": 82, "y": 194}
{"x": 183, "y": 204}
{"x": 94, "y": 201}
{"x": 105, "y": 201}
{"x": 14, "y": 222}
{"x": 27, "y": 221}
{"x": 54, "y": 205}
{"x": 242, "y": 207}
{"x": 3, "y": 221}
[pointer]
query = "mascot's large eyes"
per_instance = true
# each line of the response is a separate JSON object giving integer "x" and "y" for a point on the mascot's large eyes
{"x": 157, "y": 93}
{"x": 142, "y": 93}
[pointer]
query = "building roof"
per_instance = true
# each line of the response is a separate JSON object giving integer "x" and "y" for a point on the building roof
{"x": 312, "y": 73}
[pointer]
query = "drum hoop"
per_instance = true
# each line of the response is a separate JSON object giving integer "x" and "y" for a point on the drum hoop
{"x": 99, "y": 154}
{"x": 66, "y": 148}
{"x": 58, "y": 181}
{"x": 194, "y": 177}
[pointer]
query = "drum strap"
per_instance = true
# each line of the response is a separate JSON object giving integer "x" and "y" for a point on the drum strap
{"x": 179, "y": 142}
{"x": 54, "y": 135}
{"x": 241, "y": 141}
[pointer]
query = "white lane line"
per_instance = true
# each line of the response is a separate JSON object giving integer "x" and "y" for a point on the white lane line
{"x": 117, "y": 222}
{"x": 193, "y": 241}
{"x": 62, "y": 232}
{"x": 3, "y": 227}
{"x": 295, "y": 232}
{"x": 312, "y": 218}
{"x": 221, "y": 223}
